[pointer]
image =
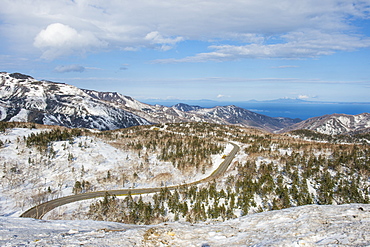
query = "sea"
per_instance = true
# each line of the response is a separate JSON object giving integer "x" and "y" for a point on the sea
{"x": 305, "y": 111}
{"x": 300, "y": 109}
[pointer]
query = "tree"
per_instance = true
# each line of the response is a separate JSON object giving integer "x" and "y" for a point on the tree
{"x": 77, "y": 188}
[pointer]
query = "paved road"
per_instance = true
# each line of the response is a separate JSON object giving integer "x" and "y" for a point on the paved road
{"x": 39, "y": 211}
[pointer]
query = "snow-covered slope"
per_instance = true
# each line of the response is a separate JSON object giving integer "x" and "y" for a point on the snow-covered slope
{"x": 335, "y": 124}
{"x": 24, "y": 99}
{"x": 184, "y": 113}
{"x": 312, "y": 225}
{"x": 230, "y": 115}
{"x": 30, "y": 176}
{"x": 238, "y": 116}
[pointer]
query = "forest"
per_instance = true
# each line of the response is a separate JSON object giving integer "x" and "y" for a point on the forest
{"x": 277, "y": 171}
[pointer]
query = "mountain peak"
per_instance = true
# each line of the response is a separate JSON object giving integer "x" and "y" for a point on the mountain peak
{"x": 24, "y": 99}
{"x": 20, "y": 76}
{"x": 185, "y": 107}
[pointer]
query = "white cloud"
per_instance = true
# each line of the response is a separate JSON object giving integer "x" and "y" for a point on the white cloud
{"x": 59, "y": 39}
{"x": 69, "y": 68}
{"x": 166, "y": 43}
{"x": 303, "y": 97}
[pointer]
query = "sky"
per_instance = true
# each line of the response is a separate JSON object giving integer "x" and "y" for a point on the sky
{"x": 224, "y": 50}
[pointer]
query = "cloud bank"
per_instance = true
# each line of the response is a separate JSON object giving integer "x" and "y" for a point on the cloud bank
{"x": 296, "y": 45}
{"x": 233, "y": 29}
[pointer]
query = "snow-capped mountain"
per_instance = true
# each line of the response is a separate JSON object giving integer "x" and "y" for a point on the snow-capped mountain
{"x": 239, "y": 116}
{"x": 25, "y": 99}
{"x": 184, "y": 113}
{"x": 335, "y": 124}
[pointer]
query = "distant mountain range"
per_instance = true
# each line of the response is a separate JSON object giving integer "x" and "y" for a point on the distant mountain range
{"x": 25, "y": 99}
{"x": 210, "y": 103}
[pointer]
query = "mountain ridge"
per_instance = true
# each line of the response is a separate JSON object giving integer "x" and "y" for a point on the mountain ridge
{"x": 25, "y": 99}
{"x": 334, "y": 124}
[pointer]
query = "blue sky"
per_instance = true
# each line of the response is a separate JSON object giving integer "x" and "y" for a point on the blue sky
{"x": 194, "y": 49}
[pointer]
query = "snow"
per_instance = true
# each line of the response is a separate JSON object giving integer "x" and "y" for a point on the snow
{"x": 134, "y": 104}
{"x": 22, "y": 116}
{"x": 346, "y": 121}
{"x": 311, "y": 225}
{"x": 2, "y": 113}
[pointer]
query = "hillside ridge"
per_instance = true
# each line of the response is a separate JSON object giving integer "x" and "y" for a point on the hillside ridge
{"x": 25, "y": 99}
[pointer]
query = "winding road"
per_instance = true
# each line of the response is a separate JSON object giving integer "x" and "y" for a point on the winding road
{"x": 39, "y": 211}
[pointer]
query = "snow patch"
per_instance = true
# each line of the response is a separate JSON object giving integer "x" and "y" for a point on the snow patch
{"x": 22, "y": 116}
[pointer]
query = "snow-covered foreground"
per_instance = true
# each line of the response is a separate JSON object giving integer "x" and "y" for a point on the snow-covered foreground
{"x": 312, "y": 225}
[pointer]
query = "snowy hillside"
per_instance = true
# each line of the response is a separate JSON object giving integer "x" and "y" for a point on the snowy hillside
{"x": 31, "y": 175}
{"x": 24, "y": 99}
{"x": 312, "y": 225}
{"x": 335, "y": 124}
{"x": 238, "y": 116}
{"x": 184, "y": 113}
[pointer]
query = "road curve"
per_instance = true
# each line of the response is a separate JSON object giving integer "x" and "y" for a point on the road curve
{"x": 39, "y": 211}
